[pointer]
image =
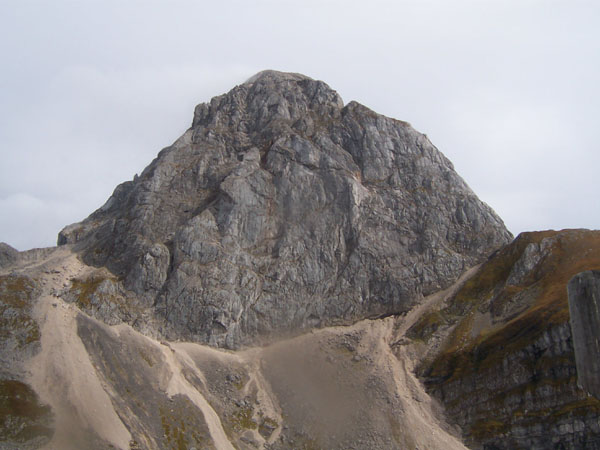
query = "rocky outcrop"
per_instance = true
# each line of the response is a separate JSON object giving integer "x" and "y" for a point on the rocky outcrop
{"x": 8, "y": 255}
{"x": 584, "y": 307}
{"x": 281, "y": 210}
{"x": 25, "y": 422}
{"x": 502, "y": 357}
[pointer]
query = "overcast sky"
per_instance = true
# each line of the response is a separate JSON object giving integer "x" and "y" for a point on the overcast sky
{"x": 91, "y": 90}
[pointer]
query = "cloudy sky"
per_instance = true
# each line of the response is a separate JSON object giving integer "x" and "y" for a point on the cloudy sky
{"x": 92, "y": 90}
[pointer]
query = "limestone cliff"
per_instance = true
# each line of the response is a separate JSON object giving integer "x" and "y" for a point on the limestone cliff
{"x": 584, "y": 308}
{"x": 281, "y": 210}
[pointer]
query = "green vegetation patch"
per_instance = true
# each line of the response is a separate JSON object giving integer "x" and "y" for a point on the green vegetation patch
{"x": 427, "y": 325}
{"x": 465, "y": 358}
{"x": 572, "y": 252}
{"x": 85, "y": 289}
{"x": 22, "y": 416}
{"x": 89, "y": 293}
{"x": 494, "y": 272}
{"x": 238, "y": 420}
{"x": 304, "y": 442}
{"x": 16, "y": 300}
{"x": 180, "y": 426}
{"x": 240, "y": 379}
{"x": 242, "y": 418}
{"x": 267, "y": 426}
{"x": 16, "y": 291}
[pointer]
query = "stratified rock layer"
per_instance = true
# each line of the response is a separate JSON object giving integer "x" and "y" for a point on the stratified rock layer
{"x": 281, "y": 210}
{"x": 502, "y": 358}
{"x": 584, "y": 306}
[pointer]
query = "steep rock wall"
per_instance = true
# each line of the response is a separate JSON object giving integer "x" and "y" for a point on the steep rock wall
{"x": 584, "y": 307}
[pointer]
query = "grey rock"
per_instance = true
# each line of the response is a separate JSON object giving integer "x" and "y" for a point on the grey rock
{"x": 531, "y": 257}
{"x": 8, "y": 255}
{"x": 280, "y": 210}
{"x": 584, "y": 309}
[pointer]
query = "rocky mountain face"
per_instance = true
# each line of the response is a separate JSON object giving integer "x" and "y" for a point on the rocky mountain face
{"x": 500, "y": 353}
{"x": 281, "y": 210}
{"x": 294, "y": 273}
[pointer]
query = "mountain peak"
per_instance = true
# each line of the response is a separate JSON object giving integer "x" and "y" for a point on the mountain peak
{"x": 281, "y": 210}
{"x": 277, "y": 76}
{"x": 271, "y": 95}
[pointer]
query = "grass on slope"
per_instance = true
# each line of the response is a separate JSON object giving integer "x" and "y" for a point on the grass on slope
{"x": 572, "y": 251}
{"x": 469, "y": 355}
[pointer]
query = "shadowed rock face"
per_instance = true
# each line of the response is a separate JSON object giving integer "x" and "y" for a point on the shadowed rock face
{"x": 584, "y": 306}
{"x": 281, "y": 209}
